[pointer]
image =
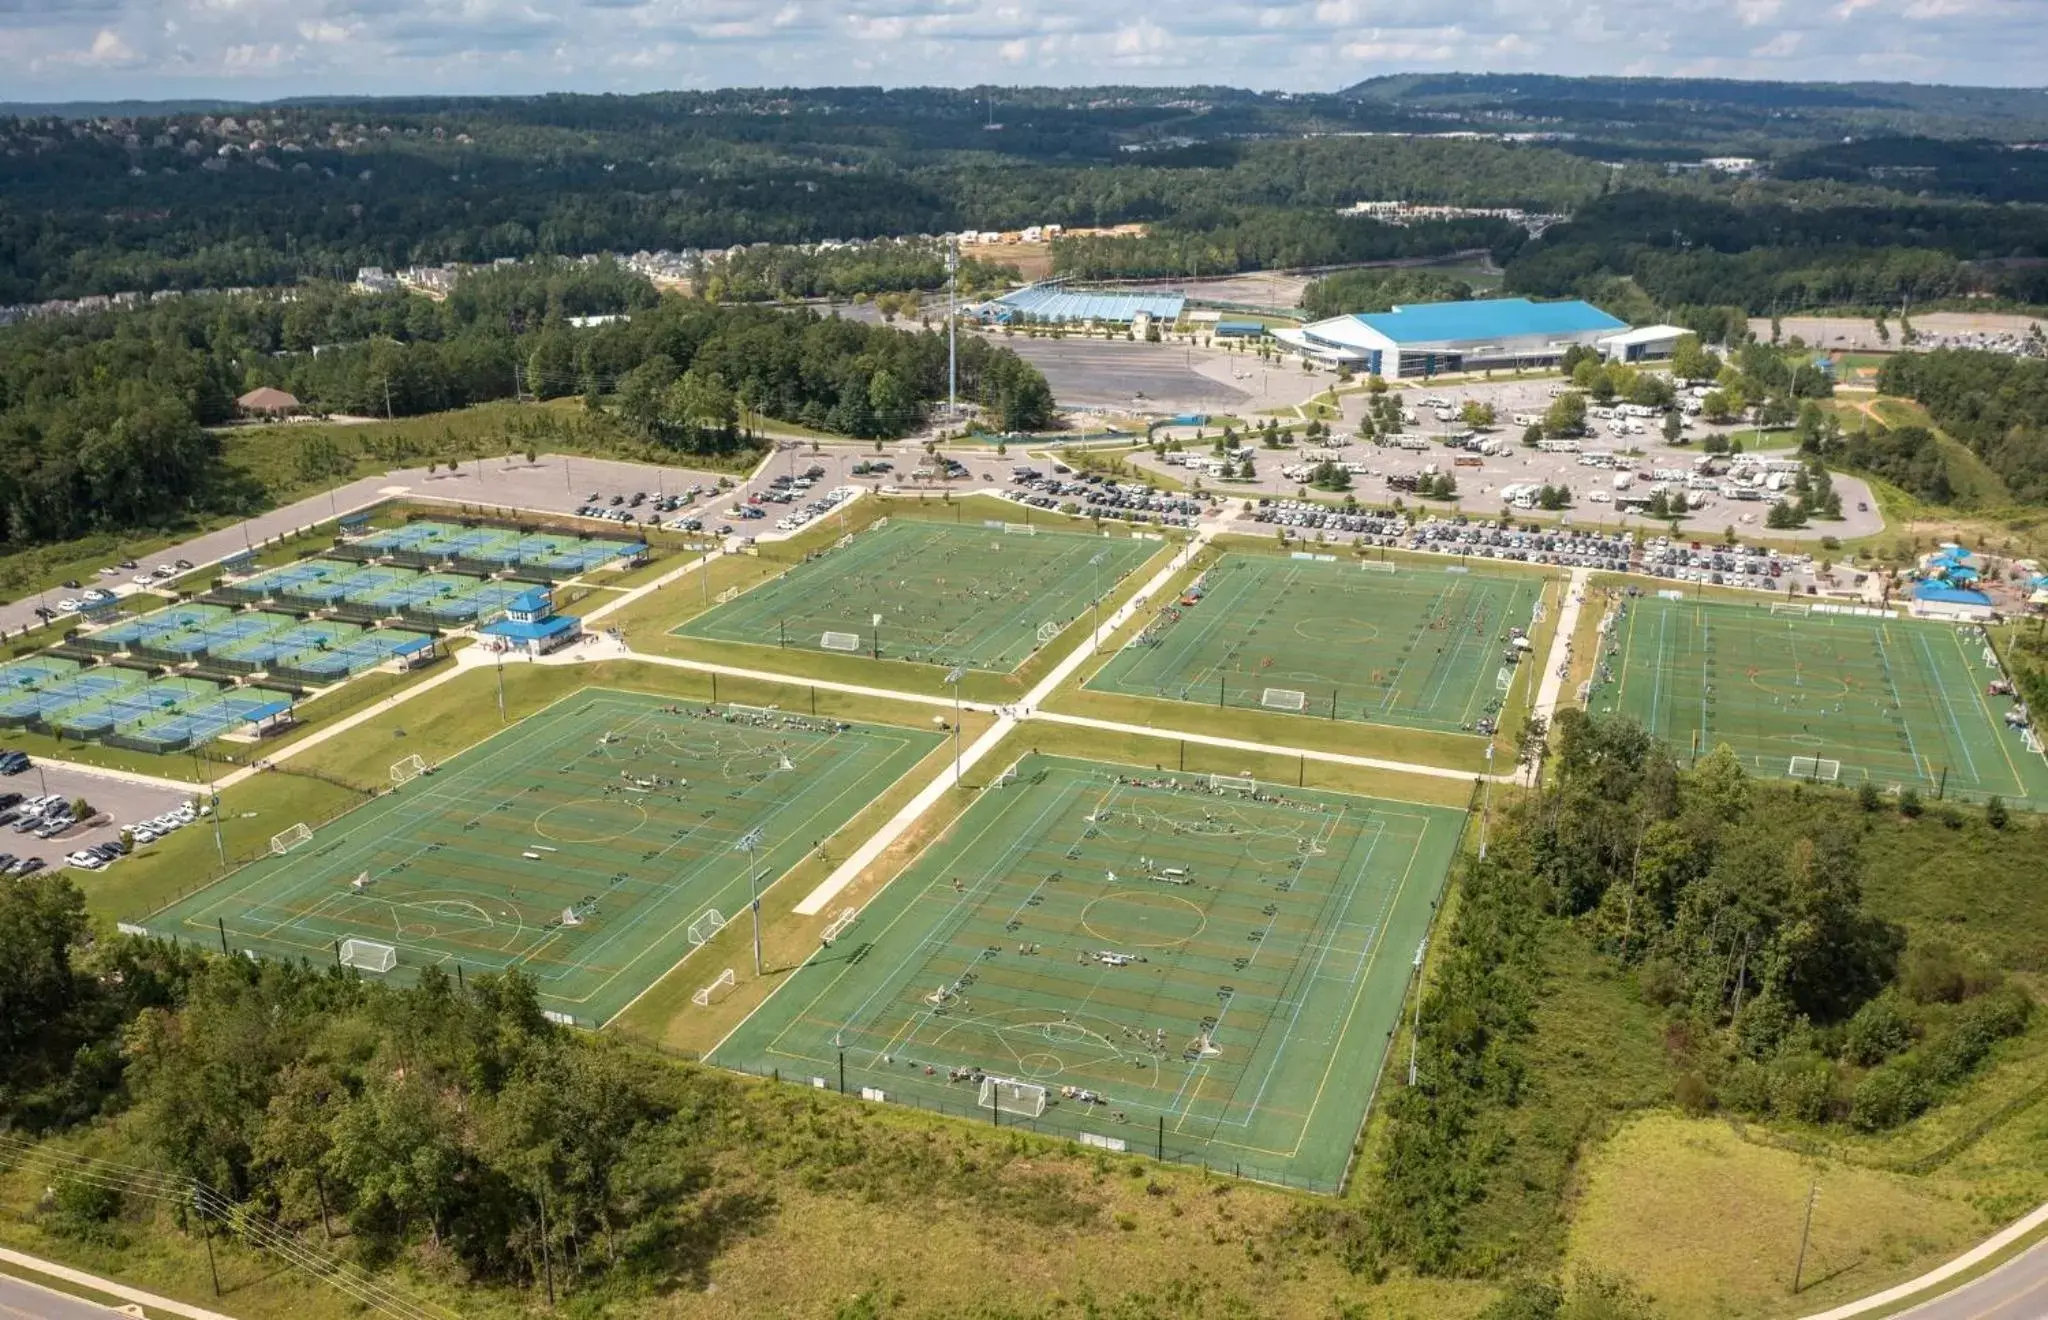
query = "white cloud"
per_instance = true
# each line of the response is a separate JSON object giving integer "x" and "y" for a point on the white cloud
{"x": 51, "y": 49}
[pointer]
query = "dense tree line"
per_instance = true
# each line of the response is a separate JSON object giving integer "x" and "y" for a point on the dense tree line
{"x": 1995, "y": 404}
{"x": 103, "y": 417}
{"x": 1269, "y": 240}
{"x": 776, "y": 271}
{"x": 1735, "y": 908}
{"x": 1379, "y": 290}
{"x": 1777, "y": 258}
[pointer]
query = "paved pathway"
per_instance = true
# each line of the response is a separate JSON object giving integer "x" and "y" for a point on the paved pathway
{"x": 30, "y": 1299}
{"x": 2016, "y": 1290}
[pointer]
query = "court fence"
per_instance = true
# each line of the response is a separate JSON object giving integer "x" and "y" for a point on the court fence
{"x": 1056, "y": 1128}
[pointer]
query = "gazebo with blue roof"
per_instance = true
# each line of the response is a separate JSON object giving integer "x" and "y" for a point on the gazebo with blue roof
{"x": 531, "y": 626}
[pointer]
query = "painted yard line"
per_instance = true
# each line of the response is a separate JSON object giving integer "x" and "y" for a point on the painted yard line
{"x": 1272, "y": 749}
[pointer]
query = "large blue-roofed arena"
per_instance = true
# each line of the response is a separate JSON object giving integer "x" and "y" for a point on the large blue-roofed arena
{"x": 1428, "y": 339}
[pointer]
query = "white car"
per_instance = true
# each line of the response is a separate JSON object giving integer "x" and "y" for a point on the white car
{"x": 164, "y": 571}
{"x": 85, "y": 861}
{"x": 143, "y": 580}
{"x": 142, "y": 833}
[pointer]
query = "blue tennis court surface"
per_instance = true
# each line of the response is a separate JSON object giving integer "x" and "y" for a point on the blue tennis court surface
{"x": 34, "y": 671}
{"x": 287, "y": 579}
{"x": 202, "y": 723}
{"x": 500, "y": 546}
{"x": 225, "y": 632}
{"x": 131, "y": 705}
{"x": 41, "y": 704}
{"x": 143, "y": 628}
{"x": 364, "y": 651}
{"x": 311, "y": 636}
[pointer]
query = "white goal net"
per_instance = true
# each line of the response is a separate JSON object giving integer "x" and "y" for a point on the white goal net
{"x": 407, "y": 768}
{"x": 840, "y": 641}
{"x": 1284, "y": 699}
{"x": 1815, "y": 767}
{"x": 1047, "y": 631}
{"x": 1009, "y": 1096}
{"x": 1786, "y": 608}
{"x": 1020, "y": 529}
{"x": 714, "y": 992}
{"x": 1378, "y": 566}
{"x": 838, "y": 924}
{"x": 704, "y": 927}
{"x": 368, "y": 955}
{"x": 1233, "y": 783}
{"x": 285, "y": 840}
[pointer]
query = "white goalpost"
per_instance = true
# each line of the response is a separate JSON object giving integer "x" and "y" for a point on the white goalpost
{"x": 1020, "y": 529}
{"x": 1233, "y": 783}
{"x": 838, "y": 925}
{"x": 758, "y": 712}
{"x": 406, "y": 769}
{"x": 1008, "y": 1095}
{"x": 285, "y": 840}
{"x": 1283, "y": 699}
{"x": 1790, "y": 609}
{"x": 840, "y": 641}
{"x": 1378, "y": 566}
{"x": 1047, "y": 631}
{"x": 368, "y": 955}
{"x": 1503, "y": 679}
{"x": 729, "y": 594}
{"x": 714, "y": 992}
{"x": 1815, "y": 767}
{"x": 704, "y": 927}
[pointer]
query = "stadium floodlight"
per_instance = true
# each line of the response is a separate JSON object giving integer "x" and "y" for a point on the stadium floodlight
{"x": 750, "y": 844}
{"x": 1095, "y": 562}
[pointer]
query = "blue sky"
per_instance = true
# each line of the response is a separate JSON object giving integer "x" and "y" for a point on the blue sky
{"x": 98, "y": 49}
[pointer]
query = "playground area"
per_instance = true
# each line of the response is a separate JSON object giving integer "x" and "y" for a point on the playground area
{"x": 1199, "y": 968}
{"x": 590, "y": 846}
{"x": 1835, "y": 697}
{"x": 982, "y": 596}
{"x": 1427, "y": 647}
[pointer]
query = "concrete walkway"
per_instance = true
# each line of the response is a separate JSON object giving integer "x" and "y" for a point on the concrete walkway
{"x": 2016, "y": 1290}
{"x": 1558, "y": 663}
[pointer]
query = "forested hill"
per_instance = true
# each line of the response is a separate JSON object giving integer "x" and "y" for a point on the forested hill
{"x": 102, "y": 416}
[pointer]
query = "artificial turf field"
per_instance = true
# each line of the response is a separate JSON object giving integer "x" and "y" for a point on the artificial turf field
{"x": 1287, "y": 940}
{"x": 1894, "y": 701}
{"x": 975, "y": 595}
{"x": 618, "y": 805}
{"x": 1418, "y": 647}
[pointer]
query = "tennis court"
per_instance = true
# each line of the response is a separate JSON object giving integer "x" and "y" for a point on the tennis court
{"x": 34, "y": 671}
{"x": 288, "y": 579}
{"x": 236, "y": 628}
{"x": 167, "y": 622}
{"x": 1200, "y": 969}
{"x": 313, "y": 635}
{"x": 351, "y": 655}
{"x": 1423, "y": 647}
{"x": 43, "y": 705}
{"x": 181, "y": 729}
{"x": 982, "y": 596}
{"x": 578, "y": 846}
{"x": 131, "y": 704}
{"x": 1894, "y": 701}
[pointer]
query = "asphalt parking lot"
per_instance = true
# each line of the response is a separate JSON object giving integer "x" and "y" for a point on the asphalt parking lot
{"x": 1098, "y": 373}
{"x": 124, "y": 801}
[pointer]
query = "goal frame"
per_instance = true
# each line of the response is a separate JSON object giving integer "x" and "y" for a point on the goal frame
{"x": 1819, "y": 769}
{"x": 1019, "y": 529}
{"x": 1286, "y": 699}
{"x": 1233, "y": 783}
{"x": 833, "y": 640}
{"x": 407, "y": 768}
{"x": 1047, "y": 631}
{"x": 1790, "y": 609}
{"x": 1379, "y": 566}
{"x": 1011, "y": 1095}
{"x": 368, "y": 955}
{"x": 709, "y": 923}
{"x": 285, "y": 840}
{"x": 717, "y": 988}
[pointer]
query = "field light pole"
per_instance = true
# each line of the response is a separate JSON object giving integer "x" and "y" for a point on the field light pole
{"x": 750, "y": 843}
{"x": 1095, "y": 562}
{"x": 953, "y": 676}
{"x": 1415, "y": 1027}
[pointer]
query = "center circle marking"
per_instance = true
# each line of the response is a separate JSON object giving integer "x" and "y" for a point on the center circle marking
{"x": 1143, "y": 920}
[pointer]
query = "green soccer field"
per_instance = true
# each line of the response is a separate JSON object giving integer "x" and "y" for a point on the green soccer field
{"x": 615, "y": 807}
{"x": 1894, "y": 701}
{"x": 1419, "y": 647}
{"x": 968, "y": 594}
{"x": 1220, "y": 971}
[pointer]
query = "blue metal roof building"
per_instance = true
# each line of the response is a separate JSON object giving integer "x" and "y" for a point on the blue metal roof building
{"x": 1056, "y": 304}
{"x": 1431, "y": 338}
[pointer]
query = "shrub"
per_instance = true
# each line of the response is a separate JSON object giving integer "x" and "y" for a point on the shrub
{"x": 1660, "y": 982}
{"x": 1692, "y": 1093}
{"x": 1935, "y": 973}
{"x": 1994, "y": 812}
{"x": 1887, "y": 1097}
{"x": 1909, "y": 802}
{"x": 1745, "y": 1089}
{"x": 1867, "y": 796}
{"x": 1879, "y": 1030}
{"x": 1801, "y": 1089}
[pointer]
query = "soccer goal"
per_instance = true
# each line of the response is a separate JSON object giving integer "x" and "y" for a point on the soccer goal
{"x": 1790, "y": 609}
{"x": 1020, "y": 529}
{"x": 285, "y": 840}
{"x": 1047, "y": 631}
{"x": 2031, "y": 741}
{"x": 1378, "y": 566}
{"x": 1009, "y": 1096}
{"x": 1503, "y": 679}
{"x": 1815, "y": 767}
{"x": 728, "y": 595}
{"x": 840, "y": 923}
{"x": 704, "y": 927}
{"x": 368, "y": 955}
{"x": 740, "y": 710}
{"x": 714, "y": 992}
{"x": 406, "y": 769}
{"x": 1283, "y": 699}
{"x": 840, "y": 641}
{"x": 1233, "y": 783}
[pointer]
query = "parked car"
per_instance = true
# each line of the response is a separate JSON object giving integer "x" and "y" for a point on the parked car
{"x": 29, "y": 867}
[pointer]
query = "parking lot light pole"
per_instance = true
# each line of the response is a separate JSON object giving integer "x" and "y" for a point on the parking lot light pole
{"x": 953, "y": 676}
{"x": 750, "y": 844}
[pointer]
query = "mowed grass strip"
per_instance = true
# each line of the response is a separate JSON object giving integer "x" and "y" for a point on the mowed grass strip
{"x": 1417, "y": 647}
{"x": 577, "y": 846}
{"x": 973, "y": 595}
{"x": 1213, "y": 972}
{"x": 1896, "y": 702}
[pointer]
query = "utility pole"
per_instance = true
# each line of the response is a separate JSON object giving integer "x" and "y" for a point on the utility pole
{"x": 1805, "y": 1230}
{"x": 1415, "y": 1027}
{"x": 749, "y": 844}
{"x": 953, "y": 676}
{"x": 953, "y": 320}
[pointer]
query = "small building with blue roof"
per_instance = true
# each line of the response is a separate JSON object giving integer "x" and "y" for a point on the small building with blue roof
{"x": 530, "y": 626}
{"x": 1428, "y": 339}
{"x": 1938, "y": 600}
